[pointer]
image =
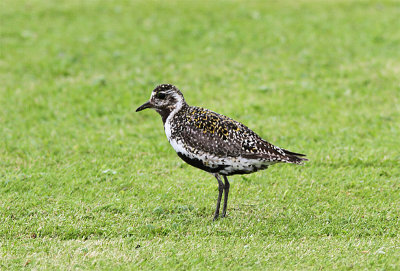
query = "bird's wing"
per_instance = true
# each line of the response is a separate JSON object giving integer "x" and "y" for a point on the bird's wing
{"x": 221, "y": 136}
{"x": 210, "y": 132}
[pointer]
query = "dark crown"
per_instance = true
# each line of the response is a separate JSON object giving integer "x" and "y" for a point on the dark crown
{"x": 164, "y": 87}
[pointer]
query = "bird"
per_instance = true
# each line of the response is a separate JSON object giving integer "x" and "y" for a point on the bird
{"x": 213, "y": 142}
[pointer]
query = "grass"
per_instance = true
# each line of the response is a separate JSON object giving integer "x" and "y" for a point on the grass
{"x": 86, "y": 183}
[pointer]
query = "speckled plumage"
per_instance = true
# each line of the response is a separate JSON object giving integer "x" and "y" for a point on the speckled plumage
{"x": 213, "y": 142}
{"x": 222, "y": 144}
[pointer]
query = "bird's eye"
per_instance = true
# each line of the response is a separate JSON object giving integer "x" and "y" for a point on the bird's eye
{"x": 161, "y": 95}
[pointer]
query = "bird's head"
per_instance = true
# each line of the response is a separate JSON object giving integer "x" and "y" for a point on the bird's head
{"x": 165, "y": 98}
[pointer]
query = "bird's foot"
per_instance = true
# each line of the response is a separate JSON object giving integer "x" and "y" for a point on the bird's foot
{"x": 216, "y": 216}
{"x": 224, "y": 212}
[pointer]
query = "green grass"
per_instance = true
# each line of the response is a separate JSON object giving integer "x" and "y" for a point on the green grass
{"x": 85, "y": 181}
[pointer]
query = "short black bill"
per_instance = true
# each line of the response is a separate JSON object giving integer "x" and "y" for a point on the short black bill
{"x": 144, "y": 106}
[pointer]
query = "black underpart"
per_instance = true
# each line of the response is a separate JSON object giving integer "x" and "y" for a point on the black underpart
{"x": 241, "y": 172}
{"x": 199, "y": 164}
{"x": 164, "y": 113}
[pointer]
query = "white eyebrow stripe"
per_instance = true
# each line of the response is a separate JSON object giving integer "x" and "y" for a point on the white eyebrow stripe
{"x": 164, "y": 92}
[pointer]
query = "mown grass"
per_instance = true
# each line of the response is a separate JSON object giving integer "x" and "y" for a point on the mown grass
{"x": 87, "y": 183}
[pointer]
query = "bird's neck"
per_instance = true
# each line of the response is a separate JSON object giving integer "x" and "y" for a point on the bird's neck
{"x": 169, "y": 112}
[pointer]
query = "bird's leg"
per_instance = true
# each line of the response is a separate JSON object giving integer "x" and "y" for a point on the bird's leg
{"x": 226, "y": 188}
{"x": 220, "y": 190}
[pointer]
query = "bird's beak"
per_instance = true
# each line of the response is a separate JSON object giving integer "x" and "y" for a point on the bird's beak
{"x": 144, "y": 106}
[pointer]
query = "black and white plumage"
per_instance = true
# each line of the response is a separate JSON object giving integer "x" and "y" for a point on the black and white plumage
{"x": 213, "y": 142}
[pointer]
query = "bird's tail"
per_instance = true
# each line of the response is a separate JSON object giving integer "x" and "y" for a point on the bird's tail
{"x": 295, "y": 158}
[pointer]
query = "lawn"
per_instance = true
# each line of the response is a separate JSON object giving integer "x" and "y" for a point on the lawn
{"x": 87, "y": 183}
